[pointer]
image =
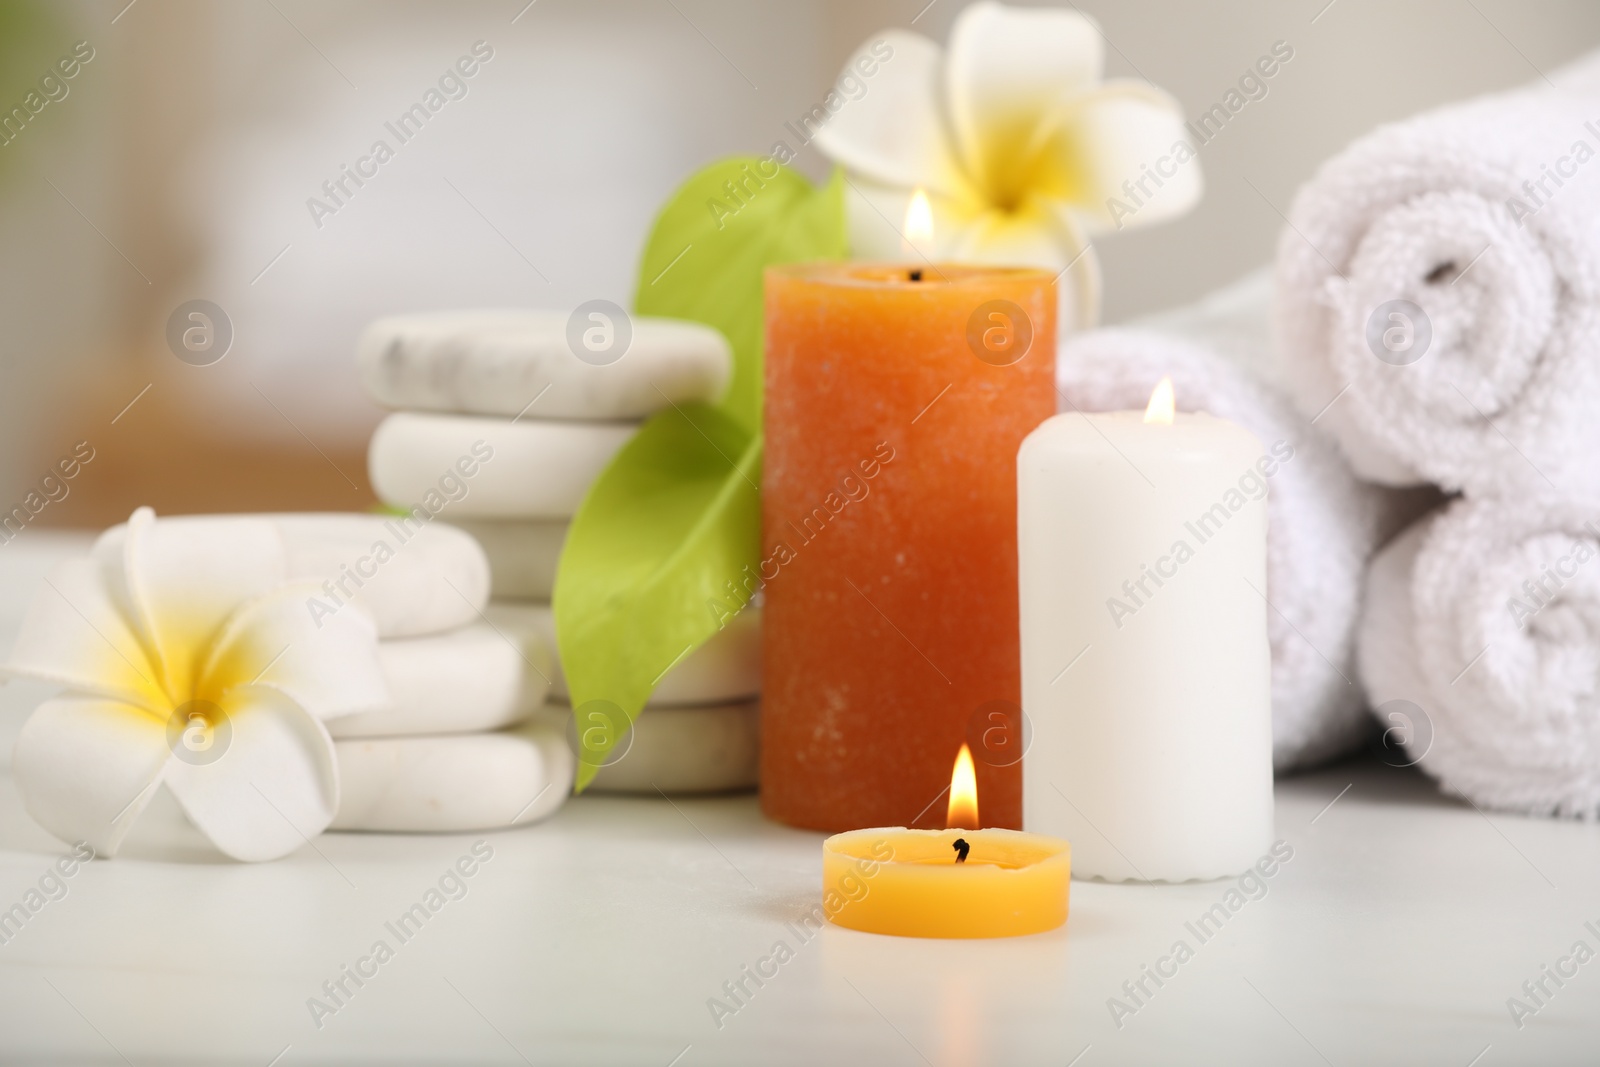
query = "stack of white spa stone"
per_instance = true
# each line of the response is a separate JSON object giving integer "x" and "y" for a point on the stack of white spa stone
{"x": 456, "y": 747}
{"x": 504, "y": 420}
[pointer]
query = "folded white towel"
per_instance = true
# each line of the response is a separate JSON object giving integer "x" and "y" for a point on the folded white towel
{"x": 1439, "y": 294}
{"x": 1483, "y": 617}
{"x": 594, "y": 363}
{"x": 468, "y": 680}
{"x": 468, "y": 466}
{"x": 1322, "y": 523}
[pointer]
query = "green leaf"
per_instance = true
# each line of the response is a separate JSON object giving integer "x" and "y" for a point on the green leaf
{"x": 643, "y": 578}
{"x": 32, "y": 38}
{"x": 675, "y": 518}
{"x": 708, "y": 250}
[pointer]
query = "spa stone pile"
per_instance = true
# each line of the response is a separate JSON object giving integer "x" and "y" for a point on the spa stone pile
{"x": 502, "y": 421}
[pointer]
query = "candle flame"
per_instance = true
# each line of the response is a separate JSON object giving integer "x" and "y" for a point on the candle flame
{"x": 1162, "y": 403}
{"x": 963, "y": 811}
{"x": 919, "y": 222}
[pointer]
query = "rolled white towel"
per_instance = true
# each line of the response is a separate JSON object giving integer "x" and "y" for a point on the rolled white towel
{"x": 443, "y": 784}
{"x": 1484, "y": 617}
{"x": 523, "y": 554}
{"x": 468, "y": 680}
{"x": 1489, "y": 389}
{"x": 724, "y": 670}
{"x": 1323, "y": 524}
{"x": 590, "y": 364}
{"x": 466, "y": 466}
{"x": 711, "y": 749}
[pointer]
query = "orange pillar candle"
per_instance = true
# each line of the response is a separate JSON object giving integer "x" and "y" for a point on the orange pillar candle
{"x": 896, "y": 399}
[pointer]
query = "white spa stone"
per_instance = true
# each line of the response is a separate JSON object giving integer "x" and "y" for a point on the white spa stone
{"x": 465, "y": 681}
{"x": 468, "y": 466}
{"x": 425, "y": 578}
{"x": 523, "y": 554}
{"x": 725, "y": 669}
{"x": 500, "y": 362}
{"x": 442, "y": 784}
{"x": 688, "y": 750}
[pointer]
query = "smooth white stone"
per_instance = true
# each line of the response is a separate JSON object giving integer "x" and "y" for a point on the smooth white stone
{"x": 465, "y": 681}
{"x": 469, "y": 782}
{"x": 534, "y": 469}
{"x": 434, "y": 578}
{"x": 523, "y": 554}
{"x": 688, "y": 750}
{"x": 498, "y": 362}
{"x": 725, "y": 669}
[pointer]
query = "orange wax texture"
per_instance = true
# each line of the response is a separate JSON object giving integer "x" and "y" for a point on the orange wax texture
{"x": 891, "y": 599}
{"x": 907, "y": 883}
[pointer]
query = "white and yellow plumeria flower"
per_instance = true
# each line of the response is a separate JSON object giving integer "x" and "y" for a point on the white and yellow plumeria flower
{"x": 1020, "y": 147}
{"x": 188, "y": 661}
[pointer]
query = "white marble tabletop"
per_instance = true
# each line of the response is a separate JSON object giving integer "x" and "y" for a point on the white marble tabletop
{"x": 1396, "y": 934}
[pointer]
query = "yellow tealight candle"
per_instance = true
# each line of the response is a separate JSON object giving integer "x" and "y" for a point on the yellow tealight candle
{"x": 947, "y": 883}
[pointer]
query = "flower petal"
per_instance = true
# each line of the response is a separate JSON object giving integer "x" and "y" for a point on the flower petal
{"x": 1125, "y": 141}
{"x": 1042, "y": 234}
{"x": 272, "y": 788}
{"x": 184, "y": 576}
{"x": 326, "y": 662}
{"x": 74, "y": 634}
{"x": 86, "y": 768}
{"x": 1009, "y": 76}
{"x": 894, "y": 133}
{"x": 875, "y": 213}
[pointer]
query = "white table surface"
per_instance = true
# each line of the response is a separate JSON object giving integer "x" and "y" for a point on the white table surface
{"x": 1395, "y": 935}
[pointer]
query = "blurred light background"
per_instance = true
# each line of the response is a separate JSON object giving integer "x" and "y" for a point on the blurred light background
{"x": 179, "y": 164}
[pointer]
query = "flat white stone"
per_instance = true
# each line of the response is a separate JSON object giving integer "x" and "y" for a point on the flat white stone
{"x": 412, "y": 577}
{"x": 425, "y": 578}
{"x": 501, "y": 362}
{"x": 523, "y": 554}
{"x": 468, "y": 466}
{"x": 687, "y": 750}
{"x": 724, "y": 670}
{"x": 441, "y": 784}
{"x": 465, "y": 681}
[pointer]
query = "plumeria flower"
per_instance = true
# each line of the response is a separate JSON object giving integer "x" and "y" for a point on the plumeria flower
{"x": 1020, "y": 147}
{"x": 190, "y": 662}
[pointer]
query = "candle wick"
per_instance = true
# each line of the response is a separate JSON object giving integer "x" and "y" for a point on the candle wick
{"x": 916, "y": 275}
{"x": 962, "y": 848}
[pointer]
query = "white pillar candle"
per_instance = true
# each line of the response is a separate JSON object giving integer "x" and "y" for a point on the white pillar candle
{"x": 1145, "y": 665}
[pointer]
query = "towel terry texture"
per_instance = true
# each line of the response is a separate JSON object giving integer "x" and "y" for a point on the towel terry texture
{"x": 1439, "y": 294}
{"x": 1439, "y": 300}
{"x": 1323, "y": 524}
{"x": 1483, "y": 617}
